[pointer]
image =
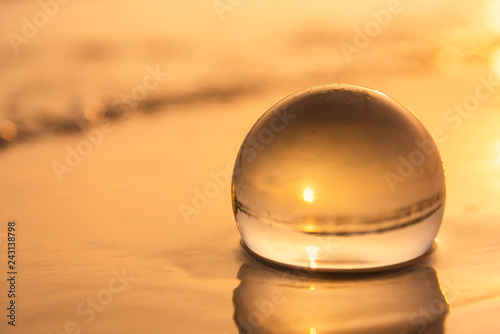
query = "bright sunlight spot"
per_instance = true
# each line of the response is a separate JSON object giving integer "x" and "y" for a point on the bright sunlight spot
{"x": 308, "y": 195}
{"x": 311, "y": 251}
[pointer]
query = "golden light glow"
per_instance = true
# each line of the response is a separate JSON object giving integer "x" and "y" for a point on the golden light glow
{"x": 311, "y": 251}
{"x": 310, "y": 225}
{"x": 498, "y": 153}
{"x": 496, "y": 62}
{"x": 492, "y": 13}
{"x": 312, "y": 331}
{"x": 308, "y": 195}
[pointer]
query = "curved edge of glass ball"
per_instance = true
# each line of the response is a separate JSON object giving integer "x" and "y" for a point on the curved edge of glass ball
{"x": 338, "y": 178}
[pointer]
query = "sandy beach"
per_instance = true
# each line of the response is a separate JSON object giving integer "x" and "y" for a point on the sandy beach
{"x": 115, "y": 117}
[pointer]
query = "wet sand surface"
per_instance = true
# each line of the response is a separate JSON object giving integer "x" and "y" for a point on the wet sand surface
{"x": 102, "y": 243}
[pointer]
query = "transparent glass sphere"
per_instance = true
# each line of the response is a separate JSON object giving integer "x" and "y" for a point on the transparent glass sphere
{"x": 338, "y": 177}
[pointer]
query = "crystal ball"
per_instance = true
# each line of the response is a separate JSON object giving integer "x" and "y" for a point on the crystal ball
{"x": 338, "y": 177}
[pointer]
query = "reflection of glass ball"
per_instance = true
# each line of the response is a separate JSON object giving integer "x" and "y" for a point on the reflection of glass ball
{"x": 338, "y": 177}
{"x": 297, "y": 302}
